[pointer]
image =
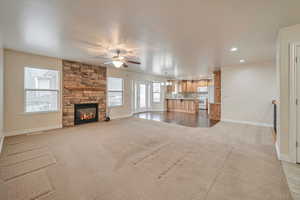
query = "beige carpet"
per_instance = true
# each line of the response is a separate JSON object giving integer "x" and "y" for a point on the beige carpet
{"x": 136, "y": 159}
{"x": 292, "y": 172}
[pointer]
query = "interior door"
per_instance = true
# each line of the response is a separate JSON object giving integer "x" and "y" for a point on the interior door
{"x": 297, "y": 68}
{"x": 142, "y": 96}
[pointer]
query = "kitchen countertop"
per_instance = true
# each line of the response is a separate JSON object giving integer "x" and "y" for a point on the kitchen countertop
{"x": 182, "y": 98}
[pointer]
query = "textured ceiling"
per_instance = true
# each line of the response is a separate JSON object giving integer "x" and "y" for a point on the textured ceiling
{"x": 170, "y": 37}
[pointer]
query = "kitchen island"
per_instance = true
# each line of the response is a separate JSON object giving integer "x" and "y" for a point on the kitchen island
{"x": 186, "y": 105}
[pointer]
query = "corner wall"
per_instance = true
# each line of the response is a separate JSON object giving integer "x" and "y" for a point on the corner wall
{"x": 247, "y": 93}
{"x": 16, "y": 121}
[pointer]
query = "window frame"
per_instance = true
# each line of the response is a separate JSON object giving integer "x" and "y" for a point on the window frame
{"x": 42, "y": 90}
{"x": 160, "y": 93}
{"x": 108, "y": 91}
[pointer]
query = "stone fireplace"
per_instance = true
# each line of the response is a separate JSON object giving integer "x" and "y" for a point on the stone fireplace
{"x": 84, "y": 86}
{"x": 86, "y": 113}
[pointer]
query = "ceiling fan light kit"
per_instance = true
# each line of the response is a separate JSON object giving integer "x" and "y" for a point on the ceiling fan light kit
{"x": 117, "y": 63}
{"x": 120, "y": 61}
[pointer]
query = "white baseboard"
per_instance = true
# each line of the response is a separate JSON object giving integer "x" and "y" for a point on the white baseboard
{"x": 281, "y": 156}
{"x": 277, "y": 150}
{"x": 121, "y": 116}
{"x": 248, "y": 122}
{"x": 286, "y": 158}
{"x": 33, "y": 130}
{"x": 1, "y": 143}
{"x": 151, "y": 110}
{"x": 158, "y": 110}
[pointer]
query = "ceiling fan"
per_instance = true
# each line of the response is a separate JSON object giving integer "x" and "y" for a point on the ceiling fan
{"x": 119, "y": 61}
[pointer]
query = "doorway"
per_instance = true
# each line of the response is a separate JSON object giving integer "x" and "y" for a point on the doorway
{"x": 142, "y": 96}
{"x": 297, "y": 97}
{"x": 294, "y": 104}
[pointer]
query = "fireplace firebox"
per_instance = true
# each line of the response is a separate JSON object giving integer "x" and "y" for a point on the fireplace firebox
{"x": 85, "y": 113}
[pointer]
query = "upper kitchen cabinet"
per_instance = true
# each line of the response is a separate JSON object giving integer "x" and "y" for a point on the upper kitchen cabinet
{"x": 188, "y": 86}
{"x": 183, "y": 86}
{"x": 171, "y": 86}
{"x": 194, "y": 86}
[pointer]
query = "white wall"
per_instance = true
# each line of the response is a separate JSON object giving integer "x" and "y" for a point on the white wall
{"x": 1, "y": 93}
{"x": 15, "y": 120}
{"x": 247, "y": 93}
{"x": 129, "y": 77}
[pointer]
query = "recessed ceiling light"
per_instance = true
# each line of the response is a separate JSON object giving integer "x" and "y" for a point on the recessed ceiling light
{"x": 234, "y": 49}
{"x": 242, "y": 61}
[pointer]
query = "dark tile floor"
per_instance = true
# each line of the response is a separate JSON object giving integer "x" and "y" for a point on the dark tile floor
{"x": 185, "y": 119}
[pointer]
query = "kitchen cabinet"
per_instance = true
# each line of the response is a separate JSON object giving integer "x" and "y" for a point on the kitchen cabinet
{"x": 181, "y": 86}
{"x": 171, "y": 86}
{"x": 183, "y": 105}
{"x": 192, "y": 86}
{"x": 187, "y": 86}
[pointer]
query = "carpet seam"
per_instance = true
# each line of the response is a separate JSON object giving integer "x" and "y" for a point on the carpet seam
{"x": 178, "y": 161}
{"x": 11, "y": 154}
{"x": 151, "y": 154}
{"x": 218, "y": 174}
{"x": 41, "y": 155}
{"x": 31, "y": 171}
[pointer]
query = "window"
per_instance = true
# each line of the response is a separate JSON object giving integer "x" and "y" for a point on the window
{"x": 115, "y": 92}
{"x": 41, "y": 90}
{"x": 156, "y": 92}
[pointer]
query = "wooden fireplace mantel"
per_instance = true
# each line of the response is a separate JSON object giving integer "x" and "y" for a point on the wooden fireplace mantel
{"x": 84, "y": 88}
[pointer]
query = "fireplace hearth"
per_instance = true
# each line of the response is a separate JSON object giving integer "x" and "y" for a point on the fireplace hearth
{"x": 85, "y": 113}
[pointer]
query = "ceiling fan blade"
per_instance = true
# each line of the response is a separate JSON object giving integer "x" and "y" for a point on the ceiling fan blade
{"x": 133, "y": 62}
{"x": 125, "y": 65}
{"x": 107, "y": 63}
{"x": 92, "y": 44}
{"x": 101, "y": 57}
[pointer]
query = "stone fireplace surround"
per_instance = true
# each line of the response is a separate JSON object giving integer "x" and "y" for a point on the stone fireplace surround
{"x": 82, "y": 83}
{"x": 86, "y": 113}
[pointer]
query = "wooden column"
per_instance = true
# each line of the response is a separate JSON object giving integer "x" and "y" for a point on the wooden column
{"x": 217, "y": 86}
{"x": 215, "y": 108}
